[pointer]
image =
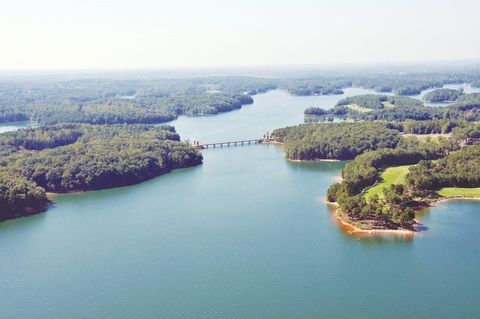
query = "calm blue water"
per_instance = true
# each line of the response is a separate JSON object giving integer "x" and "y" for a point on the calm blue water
{"x": 245, "y": 235}
{"x": 13, "y": 126}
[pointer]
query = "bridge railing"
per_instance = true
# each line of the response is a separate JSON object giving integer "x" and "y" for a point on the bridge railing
{"x": 263, "y": 139}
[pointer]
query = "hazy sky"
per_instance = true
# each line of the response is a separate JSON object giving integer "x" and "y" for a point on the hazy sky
{"x": 59, "y": 34}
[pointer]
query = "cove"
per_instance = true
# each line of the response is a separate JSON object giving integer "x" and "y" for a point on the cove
{"x": 245, "y": 235}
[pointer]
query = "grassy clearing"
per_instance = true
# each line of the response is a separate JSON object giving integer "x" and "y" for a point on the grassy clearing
{"x": 459, "y": 192}
{"x": 388, "y": 105}
{"x": 392, "y": 175}
{"x": 358, "y": 108}
{"x": 434, "y": 138}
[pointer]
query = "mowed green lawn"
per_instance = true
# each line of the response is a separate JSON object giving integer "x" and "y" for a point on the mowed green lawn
{"x": 392, "y": 175}
{"x": 459, "y": 191}
{"x": 434, "y": 138}
{"x": 358, "y": 108}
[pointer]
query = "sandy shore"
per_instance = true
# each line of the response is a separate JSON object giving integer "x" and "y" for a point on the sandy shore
{"x": 354, "y": 230}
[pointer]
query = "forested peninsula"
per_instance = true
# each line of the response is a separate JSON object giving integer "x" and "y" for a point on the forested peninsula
{"x": 397, "y": 167}
{"x": 80, "y": 157}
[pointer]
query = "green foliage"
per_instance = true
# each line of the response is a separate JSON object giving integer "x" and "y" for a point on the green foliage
{"x": 314, "y": 86}
{"x": 392, "y": 175}
{"x": 335, "y": 140}
{"x": 443, "y": 95}
{"x": 146, "y": 111}
{"x": 368, "y": 101}
{"x": 401, "y": 108}
{"x": 431, "y": 126}
{"x": 392, "y": 209}
{"x": 80, "y": 157}
{"x": 458, "y": 169}
{"x": 315, "y": 111}
{"x": 19, "y": 195}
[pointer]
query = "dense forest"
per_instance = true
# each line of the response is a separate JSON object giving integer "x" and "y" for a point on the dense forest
{"x": 80, "y": 157}
{"x": 394, "y": 209}
{"x": 458, "y": 169}
{"x": 430, "y": 126}
{"x": 372, "y": 107}
{"x": 443, "y": 95}
{"x": 341, "y": 141}
{"x": 97, "y": 100}
{"x": 144, "y": 111}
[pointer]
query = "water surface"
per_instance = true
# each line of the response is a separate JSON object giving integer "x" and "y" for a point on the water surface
{"x": 245, "y": 235}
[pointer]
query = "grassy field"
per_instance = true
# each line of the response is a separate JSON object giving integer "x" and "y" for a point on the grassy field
{"x": 392, "y": 175}
{"x": 358, "y": 108}
{"x": 459, "y": 191}
{"x": 388, "y": 105}
{"x": 427, "y": 137}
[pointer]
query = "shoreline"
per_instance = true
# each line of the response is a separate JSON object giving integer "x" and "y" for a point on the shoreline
{"x": 303, "y": 161}
{"x": 444, "y": 199}
{"x": 352, "y": 229}
{"x": 355, "y": 230}
{"x": 313, "y": 160}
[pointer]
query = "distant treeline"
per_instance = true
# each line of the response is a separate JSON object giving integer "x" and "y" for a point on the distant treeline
{"x": 372, "y": 107}
{"x": 159, "y": 100}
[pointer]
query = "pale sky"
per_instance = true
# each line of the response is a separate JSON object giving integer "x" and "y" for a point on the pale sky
{"x": 78, "y": 34}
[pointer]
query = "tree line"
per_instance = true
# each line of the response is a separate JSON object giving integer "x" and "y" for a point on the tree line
{"x": 80, "y": 157}
{"x": 341, "y": 141}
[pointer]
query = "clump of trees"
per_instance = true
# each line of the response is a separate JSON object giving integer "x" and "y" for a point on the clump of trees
{"x": 368, "y": 101}
{"x": 341, "y": 141}
{"x": 431, "y": 126}
{"x": 315, "y": 111}
{"x": 458, "y": 169}
{"x": 394, "y": 209}
{"x": 379, "y": 102}
{"x": 20, "y": 196}
{"x": 80, "y": 157}
{"x": 401, "y": 108}
{"x": 141, "y": 110}
{"x": 443, "y": 95}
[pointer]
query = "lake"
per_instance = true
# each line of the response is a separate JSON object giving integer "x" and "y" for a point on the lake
{"x": 467, "y": 88}
{"x": 13, "y": 126}
{"x": 245, "y": 235}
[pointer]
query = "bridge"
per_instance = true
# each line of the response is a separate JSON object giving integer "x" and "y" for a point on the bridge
{"x": 266, "y": 138}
